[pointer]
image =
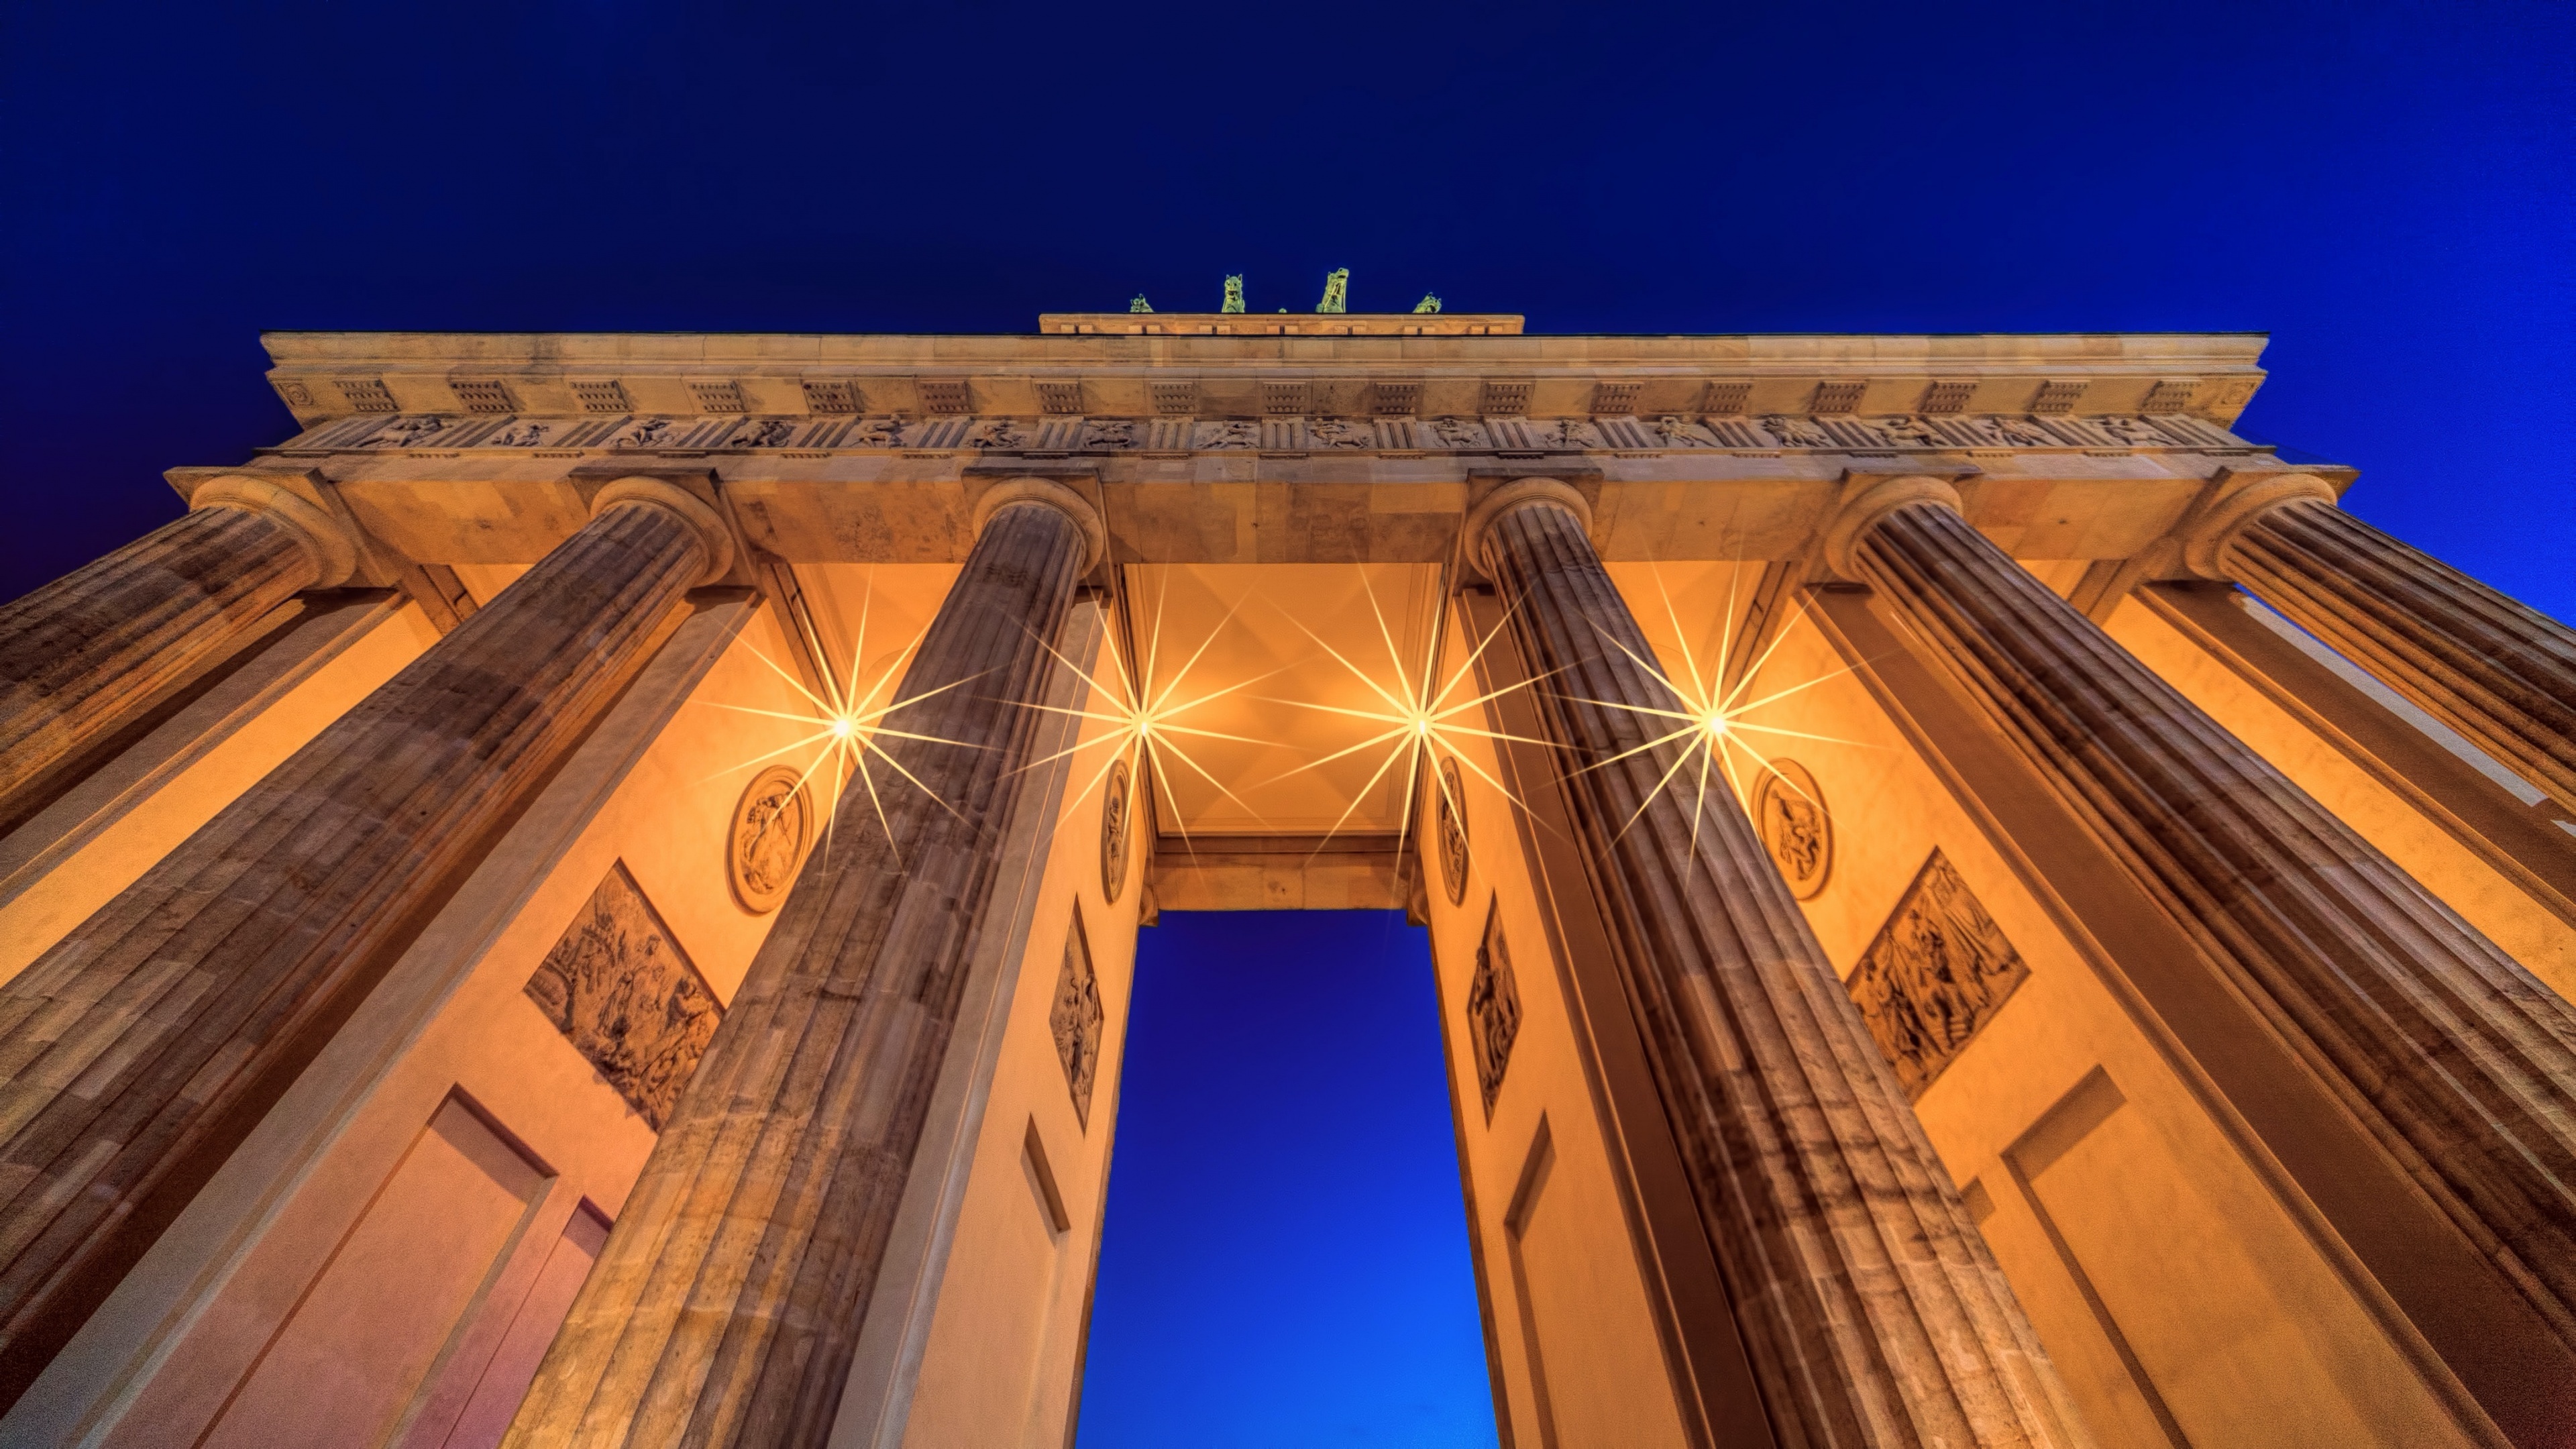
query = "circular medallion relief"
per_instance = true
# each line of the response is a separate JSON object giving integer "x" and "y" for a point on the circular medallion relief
{"x": 1115, "y": 815}
{"x": 1453, "y": 832}
{"x": 1796, "y": 828}
{"x": 771, "y": 823}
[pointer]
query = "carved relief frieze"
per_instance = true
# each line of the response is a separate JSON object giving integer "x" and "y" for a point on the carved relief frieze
{"x": 1453, "y": 831}
{"x": 621, "y": 990}
{"x": 1076, "y": 1019}
{"x": 1789, "y": 812}
{"x": 1840, "y": 432}
{"x": 1493, "y": 1008}
{"x": 1938, "y": 971}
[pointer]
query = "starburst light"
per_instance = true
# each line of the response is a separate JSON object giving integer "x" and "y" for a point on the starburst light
{"x": 847, "y": 722}
{"x": 1419, "y": 715}
{"x": 1711, "y": 721}
{"x": 1144, "y": 720}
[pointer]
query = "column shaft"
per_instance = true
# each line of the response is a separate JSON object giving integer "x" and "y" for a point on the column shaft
{"x": 1870, "y": 1308}
{"x": 82, "y": 656}
{"x": 143, "y": 1045}
{"x": 2499, "y": 672}
{"x": 729, "y": 1300}
{"x": 2460, "y": 1064}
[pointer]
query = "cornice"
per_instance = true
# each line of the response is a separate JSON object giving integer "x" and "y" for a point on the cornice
{"x": 324, "y": 375}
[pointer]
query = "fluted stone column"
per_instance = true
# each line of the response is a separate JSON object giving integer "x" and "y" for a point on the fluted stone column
{"x": 85, "y": 654}
{"x": 2457, "y": 1061}
{"x": 725, "y": 1309}
{"x": 2498, "y": 671}
{"x": 139, "y": 1049}
{"x": 1870, "y": 1308}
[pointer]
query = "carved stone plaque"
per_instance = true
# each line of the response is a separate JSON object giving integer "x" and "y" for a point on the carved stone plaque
{"x": 1115, "y": 812}
{"x": 623, "y": 993}
{"x": 1796, "y": 828}
{"x": 1493, "y": 1008}
{"x": 1453, "y": 832}
{"x": 766, "y": 840}
{"x": 1938, "y": 972}
{"x": 1076, "y": 1019}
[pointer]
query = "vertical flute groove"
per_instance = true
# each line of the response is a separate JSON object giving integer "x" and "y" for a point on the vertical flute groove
{"x": 1870, "y": 1309}
{"x": 2501, "y": 673}
{"x": 2458, "y": 1061}
{"x": 82, "y": 655}
{"x": 128, "y": 1049}
{"x": 728, "y": 1301}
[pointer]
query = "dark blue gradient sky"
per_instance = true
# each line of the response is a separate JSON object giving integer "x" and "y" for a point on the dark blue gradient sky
{"x": 1285, "y": 1259}
{"x": 2384, "y": 188}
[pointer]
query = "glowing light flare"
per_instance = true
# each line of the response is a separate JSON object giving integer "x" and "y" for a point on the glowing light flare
{"x": 1420, "y": 715}
{"x": 1144, "y": 721}
{"x": 1712, "y": 720}
{"x": 847, "y": 724}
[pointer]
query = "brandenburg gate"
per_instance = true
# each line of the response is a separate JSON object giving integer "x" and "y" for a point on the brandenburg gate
{"x": 587, "y": 896}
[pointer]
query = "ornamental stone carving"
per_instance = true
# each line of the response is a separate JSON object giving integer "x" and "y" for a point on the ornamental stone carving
{"x": 1453, "y": 832}
{"x": 1076, "y": 1019}
{"x": 1790, "y": 813}
{"x": 621, "y": 990}
{"x": 765, "y": 841}
{"x": 1937, "y": 973}
{"x": 1117, "y": 815}
{"x": 1493, "y": 1008}
{"x": 1795, "y": 432}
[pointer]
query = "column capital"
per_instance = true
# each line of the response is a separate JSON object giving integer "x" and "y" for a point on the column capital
{"x": 2206, "y": 542}
{"x": 1518, "y": 493}
{"x": 1029, "y": 488}
{"x": 710, "y": 528}
{"x": 1862, "y": 512}
{"x": 333, "y": 551}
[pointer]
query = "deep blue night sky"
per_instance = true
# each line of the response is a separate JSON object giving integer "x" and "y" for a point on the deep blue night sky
{"x": 1285, "y": 1257}
{"x": 2384, "y": 188}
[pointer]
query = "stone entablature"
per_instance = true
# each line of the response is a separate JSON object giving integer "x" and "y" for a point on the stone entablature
{"x": 322, "y": 376}
{"x": 1505, "y": 436}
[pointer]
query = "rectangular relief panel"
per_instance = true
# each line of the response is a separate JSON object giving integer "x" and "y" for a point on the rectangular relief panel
{"x": 1937, "y": 972}
{"x": 345, "y": 1366}
{"x": 621, "y": 990}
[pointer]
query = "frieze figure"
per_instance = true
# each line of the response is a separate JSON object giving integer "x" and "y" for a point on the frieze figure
{"x": 1455, "y": 432}
{"x": 1571, "y": 433}
{"x": 768, "y": 433}
{"x": 878, "y": 433}
{"x": 1795, "y": 432}
{"x": 2019, "y": 432}
{"x": 650, "y": 433}
{"x": 517, "y": 435}
{"x": 1236, "y": 434}
{"x": 405, "y": 432}
{"x": 997, "y": 433}
{"x": 1680, "y": 433}
{"x": 1339, "y": 433}
{"x": 1910, "y": 432}
{"x": 2136, "y": 432}
{"x": 1110, "y": 433}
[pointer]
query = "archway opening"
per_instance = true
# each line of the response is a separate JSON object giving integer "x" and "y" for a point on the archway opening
{"x": 1285, "y": 1258}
